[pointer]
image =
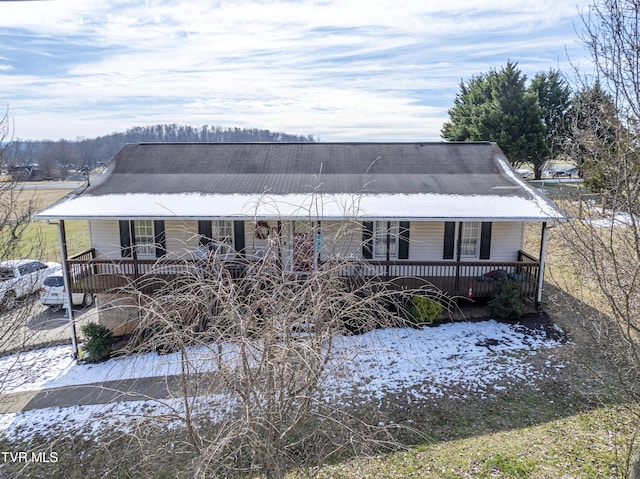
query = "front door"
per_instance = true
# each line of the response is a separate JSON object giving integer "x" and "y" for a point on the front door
{"x": 303, "y": 246}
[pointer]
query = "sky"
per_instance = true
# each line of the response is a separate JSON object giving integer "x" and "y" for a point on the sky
{"x": 340, "y": 70}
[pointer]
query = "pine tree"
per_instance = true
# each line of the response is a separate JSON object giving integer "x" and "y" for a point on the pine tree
{"x": 497, "y": 106}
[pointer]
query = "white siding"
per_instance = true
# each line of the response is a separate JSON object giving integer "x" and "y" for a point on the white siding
{"x": 105, "y": 239}
{"x": 426, "y": 241}
{"x": 181, "y": 237}
{"x": 506, "y": 240}
{"x": 339, "y": 238}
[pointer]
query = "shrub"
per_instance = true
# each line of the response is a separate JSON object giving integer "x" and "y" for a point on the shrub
{"x": 424, "y": 310}
{"x": 507, "y": 298}
{"x": 98, "y": 342}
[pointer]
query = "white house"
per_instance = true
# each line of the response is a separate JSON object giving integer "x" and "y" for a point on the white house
{"x": 450, "y": 213}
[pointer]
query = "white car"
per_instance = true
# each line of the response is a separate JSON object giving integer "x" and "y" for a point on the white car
{"x": 21, "y": 277}
{"x": 52, "y": 293}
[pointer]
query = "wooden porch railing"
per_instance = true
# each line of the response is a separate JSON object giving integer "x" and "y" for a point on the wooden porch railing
{"x": 459, "y": 279}
{"x": 91, "y": 275}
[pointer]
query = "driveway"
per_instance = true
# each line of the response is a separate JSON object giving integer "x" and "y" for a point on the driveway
{"x": 32, "y": 325}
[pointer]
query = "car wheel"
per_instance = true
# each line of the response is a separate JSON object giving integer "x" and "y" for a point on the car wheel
{"x": 9, "y": 301}
{"x": 87, "y": 300}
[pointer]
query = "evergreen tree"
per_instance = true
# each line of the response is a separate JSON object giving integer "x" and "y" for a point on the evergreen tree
{"x": 595, "y": 137}
{"x": 496, "y": 106}
{"x": 554, "y": 100}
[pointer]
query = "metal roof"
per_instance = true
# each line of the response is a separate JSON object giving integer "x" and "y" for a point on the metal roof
{"x": 285, "y": 168}
{"x": 218, "y": 171}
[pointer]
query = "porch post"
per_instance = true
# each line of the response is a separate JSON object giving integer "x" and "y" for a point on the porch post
{"x": 543, "y": 252}
{"x": 134, "y": 249}
{"x": 458, "y": 257}
{"x": 317, "y": 245}
{"x": 279, "y": 261}
{"x": 62, "y": 239}
{"x": 388, "y": 256}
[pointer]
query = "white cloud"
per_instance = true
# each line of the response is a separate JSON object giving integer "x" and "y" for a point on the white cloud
{"x": 339, "y": 70}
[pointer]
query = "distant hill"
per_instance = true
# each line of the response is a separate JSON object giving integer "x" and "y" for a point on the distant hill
{"x": 59, "y": 159}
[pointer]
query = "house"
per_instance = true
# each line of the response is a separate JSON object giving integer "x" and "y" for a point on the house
{"x": 26, "y": 173}
{"x": 450, "y": 213}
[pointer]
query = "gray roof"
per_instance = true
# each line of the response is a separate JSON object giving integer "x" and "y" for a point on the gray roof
{"x": 284, "y": 168}
{"x": 414, "y": 181}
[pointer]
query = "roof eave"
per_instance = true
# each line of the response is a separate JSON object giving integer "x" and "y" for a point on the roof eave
{"x": 526, "y": 219}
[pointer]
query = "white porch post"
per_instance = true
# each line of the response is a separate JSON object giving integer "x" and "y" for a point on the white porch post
{"x": 62, "y": 239}
{"x": 543, "y": 253}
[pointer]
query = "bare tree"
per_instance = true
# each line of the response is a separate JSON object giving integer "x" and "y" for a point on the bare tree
{"x": 16, "y": 208}
{"x": 604, "y": 240}
{"x": 260, "y": 349}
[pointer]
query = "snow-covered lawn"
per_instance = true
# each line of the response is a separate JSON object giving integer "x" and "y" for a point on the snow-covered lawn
{"x": 472, "y": 357}
{"x": 609, "y": 218}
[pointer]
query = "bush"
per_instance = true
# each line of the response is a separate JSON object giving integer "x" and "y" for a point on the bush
{"x": 98, "y": 342}
{"x": 507, "y": 298}
{"x": 424, "y": 310}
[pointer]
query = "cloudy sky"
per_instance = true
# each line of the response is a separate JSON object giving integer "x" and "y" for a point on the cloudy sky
{"x": 341, "y": 70}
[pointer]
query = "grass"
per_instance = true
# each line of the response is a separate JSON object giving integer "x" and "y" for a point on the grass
{"x": 586, "y": 445}
{"x": 40, "y": 240}
{"x": 77, "y": 233}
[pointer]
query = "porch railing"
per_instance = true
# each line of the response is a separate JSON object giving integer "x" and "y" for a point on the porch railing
{"x": 476, "y": 278}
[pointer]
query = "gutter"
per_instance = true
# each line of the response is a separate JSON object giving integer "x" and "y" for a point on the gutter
{"x": 543, "y": 253}
{"x": 434, "y": 219}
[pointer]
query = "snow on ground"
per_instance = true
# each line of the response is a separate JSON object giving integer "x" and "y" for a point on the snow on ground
{"x": 472, "y": 357}
{"x": 609, "y": 218}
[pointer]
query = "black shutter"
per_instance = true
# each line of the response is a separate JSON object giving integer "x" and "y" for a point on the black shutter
{"x": 449, "y": 239}
{"x": 125, "y": 239}
{"x": 403, "y": 245}
{"x": 205, "y": 231}
{"x": 238, "y": 236}
{"x": 367, "y": 239}
{"x": 160, "y": 238}
{"x": 485, "y": 241}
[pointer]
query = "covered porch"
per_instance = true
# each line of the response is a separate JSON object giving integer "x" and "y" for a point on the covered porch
{"x": 469, "y": 279}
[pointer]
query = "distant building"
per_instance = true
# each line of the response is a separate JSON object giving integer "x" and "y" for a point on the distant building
{"x": 26, "y": 173}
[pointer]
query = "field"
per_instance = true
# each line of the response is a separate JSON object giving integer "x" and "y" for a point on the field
{"x": 571, "y": 425}
{"x": 40, "y": 240}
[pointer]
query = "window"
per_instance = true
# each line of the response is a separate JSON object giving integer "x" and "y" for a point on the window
{"x": 380, "y": 235}
{"x": 30, "y": 268}
{"x": 144, "y": 238}
{"x": 470, "y": 239}
{"x": 222, "y": 237}
{"x": 147, "y": 235}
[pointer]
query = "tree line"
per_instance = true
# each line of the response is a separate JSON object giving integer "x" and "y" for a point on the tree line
{"x": 58, "y": 159}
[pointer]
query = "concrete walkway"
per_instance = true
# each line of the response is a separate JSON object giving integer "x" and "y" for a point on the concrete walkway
{"x": 34, "y": 326}
{"x": 46, "y": 327}
{"x": 139, "y": 389}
